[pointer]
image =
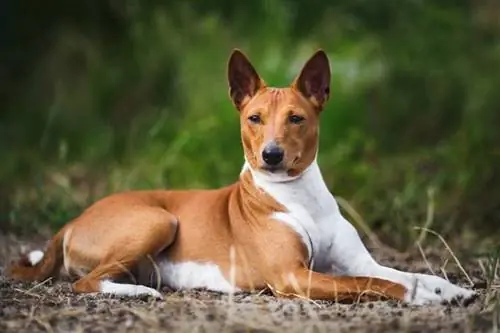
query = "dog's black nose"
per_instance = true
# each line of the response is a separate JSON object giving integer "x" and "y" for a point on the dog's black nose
{"x": 273, "y": 154}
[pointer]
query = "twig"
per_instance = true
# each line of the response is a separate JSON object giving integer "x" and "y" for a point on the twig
{"x": 27, "y": 292}
{"x": 40, "y": 284}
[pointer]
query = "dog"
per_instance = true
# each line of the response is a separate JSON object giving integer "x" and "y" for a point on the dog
{"x": 278, "y": 227}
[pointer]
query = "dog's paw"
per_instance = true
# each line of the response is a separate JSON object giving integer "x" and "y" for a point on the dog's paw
{"x": 130, "y": 290}
{"x": 431, "y": 289}
{"x": 146, "y": 291}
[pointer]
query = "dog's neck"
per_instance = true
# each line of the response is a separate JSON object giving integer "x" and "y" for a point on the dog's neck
{"x": 307, "y": 189}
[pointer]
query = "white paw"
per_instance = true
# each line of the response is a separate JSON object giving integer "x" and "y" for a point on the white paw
{"x": 430, "y": 289}
{"x": 143, "y": 290}
{"x": 35, "y": 257}
{"x": 123, "y": 289}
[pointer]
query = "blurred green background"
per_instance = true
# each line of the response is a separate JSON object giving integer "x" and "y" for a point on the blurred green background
{"x": 103, "y": 96}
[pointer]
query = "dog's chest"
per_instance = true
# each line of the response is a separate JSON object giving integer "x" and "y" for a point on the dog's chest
{"x": 315, "y": 232}
{"x": 310, "y": 211}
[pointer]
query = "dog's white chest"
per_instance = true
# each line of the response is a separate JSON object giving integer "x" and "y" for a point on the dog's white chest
{"x": 309, "y": 211}
{"x": 188, "y": 275}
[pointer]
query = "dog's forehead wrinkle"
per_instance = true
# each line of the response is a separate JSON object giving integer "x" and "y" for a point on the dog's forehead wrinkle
{"x": 274, "y": 97}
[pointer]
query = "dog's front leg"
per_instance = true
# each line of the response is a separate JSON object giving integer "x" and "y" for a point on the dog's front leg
{"x": 304, "y": 283}
{"x": 349, "y": 256}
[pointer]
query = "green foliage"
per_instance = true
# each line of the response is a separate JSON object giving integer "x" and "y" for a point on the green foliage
{"x": 134, "y": 95}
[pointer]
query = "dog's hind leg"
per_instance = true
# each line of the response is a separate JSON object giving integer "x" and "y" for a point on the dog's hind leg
{"x": 101, "y": 280}
{"x": 126, "y": 253}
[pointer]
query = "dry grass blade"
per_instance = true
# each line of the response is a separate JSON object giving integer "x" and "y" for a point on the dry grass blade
{"x": 232, "y": 282}
{"x": 365, "y": 228}
{"x": 125, "y": 270}
{"x": 157, "y": 272}
{"x": 295, "y": 284}
{"x": 27, "y": 293}
{"x": 246, "y": 271}
{"x": 369, "y": 293}
{"x": 262, "y": 291}
{"x": 450, "y": 251}
{"x": 414, "y": 289}
{"x": 443, "y": 271}
{"x": 309, "y": 278}
{"x": 40, "y": 284}
{"x": 359, "y": 221}
{"x": 427, "y": 263}
{"x": 430, "y": 215}
{"x": 278, "y": 293}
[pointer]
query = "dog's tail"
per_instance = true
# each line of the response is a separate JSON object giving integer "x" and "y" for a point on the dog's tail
{"x": 38, "y": 266}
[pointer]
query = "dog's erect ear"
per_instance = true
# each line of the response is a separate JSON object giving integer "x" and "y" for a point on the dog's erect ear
{"x": 244, "y": 82}
{"x": 314, "y": 79}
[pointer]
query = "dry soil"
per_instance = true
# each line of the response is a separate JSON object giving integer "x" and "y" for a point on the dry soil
{"x": 51, "y": 307}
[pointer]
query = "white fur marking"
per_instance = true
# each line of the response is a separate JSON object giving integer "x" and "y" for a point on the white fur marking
{"x": 299, "y": 195}
{"x": 35, "y": 257}
{"x": 188, "y": 275}
{"x": 124, "y": 289}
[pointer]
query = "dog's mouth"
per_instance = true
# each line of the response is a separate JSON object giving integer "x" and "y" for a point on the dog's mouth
{"x": 279, "y": 168}
{"x": 273, "y": 168}
{"x": 279, "y": 173}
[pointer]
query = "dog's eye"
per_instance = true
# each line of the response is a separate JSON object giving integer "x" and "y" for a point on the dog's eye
{"x": 294, "y": 119}
{"x": 255, "y": 119}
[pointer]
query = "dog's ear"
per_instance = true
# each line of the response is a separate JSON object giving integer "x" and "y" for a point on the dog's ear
{"x": 244, "y": 82}
{"x": 314, "y": 79}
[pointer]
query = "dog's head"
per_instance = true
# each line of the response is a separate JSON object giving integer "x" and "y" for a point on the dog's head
{"x": 279, "y": 126}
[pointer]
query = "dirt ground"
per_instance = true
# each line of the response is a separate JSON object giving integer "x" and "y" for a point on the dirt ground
{"x": 51, "y": 307}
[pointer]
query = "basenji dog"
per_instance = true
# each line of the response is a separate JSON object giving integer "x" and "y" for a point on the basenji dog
{"x": 278, "y": 227}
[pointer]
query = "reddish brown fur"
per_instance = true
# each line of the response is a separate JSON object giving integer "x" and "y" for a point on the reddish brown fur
{"x": 298, "y": 140}
{"x": 118, "y": 232}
